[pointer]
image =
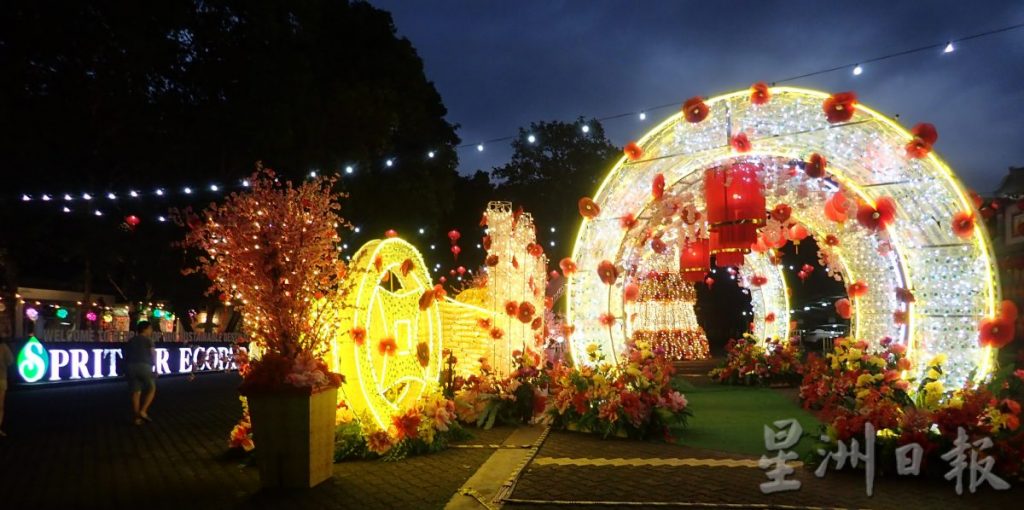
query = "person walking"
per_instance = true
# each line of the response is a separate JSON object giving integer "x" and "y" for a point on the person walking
{"x": 138, "y": 362}
{"x": 6, "y": 360}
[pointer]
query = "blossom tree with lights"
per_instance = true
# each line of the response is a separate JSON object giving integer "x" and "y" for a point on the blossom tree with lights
{"x": 272, "y": 251}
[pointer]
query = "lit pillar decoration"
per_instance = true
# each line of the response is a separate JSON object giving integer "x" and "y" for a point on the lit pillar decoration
{"x": 953, "y": 278}
{"x": 694, "y": 260}
{"x": 735, "y": 210}
{"x": 381, "y": 301}
{"x": 663, "y": 315}
{"x": 519, "y": 276}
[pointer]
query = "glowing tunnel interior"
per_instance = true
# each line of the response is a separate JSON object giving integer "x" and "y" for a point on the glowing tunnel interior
{"x": 953, "y": 279}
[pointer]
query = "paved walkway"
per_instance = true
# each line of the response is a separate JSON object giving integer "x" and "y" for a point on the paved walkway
{"x": 75, "y": 448}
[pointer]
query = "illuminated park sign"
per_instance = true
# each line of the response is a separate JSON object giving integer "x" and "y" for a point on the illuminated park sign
{"x": 82, "y": 361}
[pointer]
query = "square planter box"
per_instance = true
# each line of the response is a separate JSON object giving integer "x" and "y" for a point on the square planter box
{"x": 294, "y": 436}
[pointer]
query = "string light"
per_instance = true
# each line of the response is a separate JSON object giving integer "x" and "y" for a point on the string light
{"x": 86, "y": 196}
{"x": 161, "y": 219}
{"x": 187, "y": 190}
{"x": 949, "y": 48}
{"x": 430, "y": 154}
{"x": 480, "y": 147}
{"x": 530, "y": 138}
{"x": 390, "y": 163}
{"x": 159, "y": 192}
{"x": 46, "y": 198}
{"x": 857, "y": 70}
{"x": 312, "y": 174}
{"x": 585, "y": 128}
{"x": 214, "y": 187}
{"x": 66, "y": 209}
{"x": 98, "y": 212}
{"x": 245, "y": 183}
{"x": 26, "y": 198}
{"x": 643, "y": 116}
{"x": 349, "y": 169}
{"x": 111, "y": 196}
{"x": 133, "y": 194}
{"x": 68, "y": 198}
{"x": 422, "y": 231}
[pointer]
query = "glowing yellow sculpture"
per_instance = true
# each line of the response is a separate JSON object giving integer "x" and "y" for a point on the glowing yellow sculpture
{"x": 382, "y": 304}
{"x": 953, "y": 279}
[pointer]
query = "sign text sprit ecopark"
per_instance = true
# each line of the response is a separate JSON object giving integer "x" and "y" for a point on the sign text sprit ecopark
{"x": 81, "y": 361}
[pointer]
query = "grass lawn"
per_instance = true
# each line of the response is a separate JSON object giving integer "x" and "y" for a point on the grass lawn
{"x": 732, "y": 418}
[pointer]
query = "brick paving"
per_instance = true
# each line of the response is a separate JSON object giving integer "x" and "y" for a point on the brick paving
{"x": 75, "y": 448}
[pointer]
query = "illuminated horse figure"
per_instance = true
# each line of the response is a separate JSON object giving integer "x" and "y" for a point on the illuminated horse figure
{"x": 877, "y": 199}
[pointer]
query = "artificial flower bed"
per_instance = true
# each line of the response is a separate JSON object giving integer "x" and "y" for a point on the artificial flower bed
{"x": 634, "y": 399}
{"x": 776, "y": 362}
{"x": 485, "y": 398}
{"x": 854, "y": 386}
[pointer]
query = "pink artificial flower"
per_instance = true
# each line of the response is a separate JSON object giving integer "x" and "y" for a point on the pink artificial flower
{"x": 673, "y": 401}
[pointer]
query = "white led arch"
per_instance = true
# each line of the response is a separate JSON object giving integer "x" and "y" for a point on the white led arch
{"x": 954, "y": 280}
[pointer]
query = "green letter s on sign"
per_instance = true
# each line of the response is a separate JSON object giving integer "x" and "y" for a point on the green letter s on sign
{"x": 32, "y": 361}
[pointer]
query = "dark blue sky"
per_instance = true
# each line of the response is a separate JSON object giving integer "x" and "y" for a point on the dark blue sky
{"x": 501, "y": 65}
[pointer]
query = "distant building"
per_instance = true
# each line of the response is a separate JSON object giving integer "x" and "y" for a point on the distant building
{"x": 1007, "y": 231}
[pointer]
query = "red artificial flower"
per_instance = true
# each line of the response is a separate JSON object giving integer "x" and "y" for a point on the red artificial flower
{"x": 607, "y": 272}
{"x": 658, "y": 245}
{"x": 630, "y": 292}
{"x": 782, "y": 212}
{"x": 537, "y": 323}
{"x": 759, "y": 93}
{"x": 840, "y": 107}
{"x": 995, "y": 332}
{"x": 628, "y": 221}
{"x": 832, "y": 240}
{"x": 588, "y": 208}
{"x": 844, "y": 308}
{"x": 740, "y": 143}
{"x": 607, "y": 319}
{"x": 358, "y": 335}
{"x": 770, "y": 317}
{"x": 439, "y": 292}
{"x": 515, "y": 262}
{"x": 633, "y": 151}
{"x": 658, "y": 186}
{"x": 695, "y": 110}
{"x": 484, "y": 323}
{"x": 491, "y": 260}
{"x": 963, "y": 224}
{"x": 535, "y": 249}
{"x": 525, "y": 312}
{"x": 925, "y": 136}
{"x": 511, "y": 308}
{"x": 427, "y": 299}
{"x": 758, "y": 280}
{"x": 406, "y": 425}
{"x": 497, "y": 333}
{"x": 878, "y": 217}
{"x": 857, "y": 289}
{"x": 568, "y": 266}
{"x": 423, "y": 354}
{"x": 487, "y": 242}
{"x": 407, "y": 266}
{"x": 814, "y": 167}
{"x": 904, "y": 295}
{"x": 387, "y": 346}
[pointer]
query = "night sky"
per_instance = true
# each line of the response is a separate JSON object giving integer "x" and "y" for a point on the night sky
{"x": 501, "y": 65}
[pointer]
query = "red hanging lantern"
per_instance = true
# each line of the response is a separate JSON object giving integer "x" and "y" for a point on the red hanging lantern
{"x": 694, "y": 260}
{"x": 735, "y": 209}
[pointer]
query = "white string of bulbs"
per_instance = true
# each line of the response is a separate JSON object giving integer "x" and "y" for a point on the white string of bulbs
{"x": 856, "y": 68}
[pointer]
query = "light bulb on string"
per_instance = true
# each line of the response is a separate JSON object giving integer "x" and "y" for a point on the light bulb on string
{"x": 390, "y": 163}
{"x": 949, "y": 47}
{"x": 858, "y": 70}
{"x": 45, "y": 198}
{"x": 349, "y": 169}
{"x": 133, "y": 194}
{"x": 161, "y": 219}
{"x": 98, "y": 212}
{"x": 531, "y": 139}
{"x": 430, "y": 154}
{"x": 66, "y": 209}
{"x": 479, "y": 147}
{"x": 643, "y": 116}
{"x": 312, "y": 174}
{"x": 245, "y": 183}
{"x": 422, "y": 231}
{"x": 159, "y": 192}
{"x": 68, "y": 197}
{"x": 585, "y": 128}
{"x": 187, "y": 190}
{"x": 214, "y": 187}
{"x": 86, "y": 196}
{"x": 26, "y": 198}
{"x": 111, "y": 196}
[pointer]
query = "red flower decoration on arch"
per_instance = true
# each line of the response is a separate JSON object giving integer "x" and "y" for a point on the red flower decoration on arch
{"x": 878, "y": 217}
{"x": 628, "y": 221}
{"x": 857, "y": 289}
{"x": 758, "y": 280}
{"x": 658, "y": 186}
{"x": 740, "y": 143}
{"x": 607, "y": 271}
{"x": 963, "y": 224}
{"x": 695, "y": 110}
{"x": 387, "y": 346}
{"x": 358, "y": 335}
{"x": 568, "y": 266}
{"x": 995, "y": 332}
{"x": 588, "y": 208}
{"x": 840, "y": 107}
{"x": 607, "y": 319}
{"x": 525, "y": 312}
{"x": 633, "y": 151}
{"x": 759, "y": 93}
{"x": 511, "y": 308}
{"x": 630, "y": 292}
{"x": 782, "y": 212}
{"x": 814, "y": 167}
{"x": 844, "y": 309}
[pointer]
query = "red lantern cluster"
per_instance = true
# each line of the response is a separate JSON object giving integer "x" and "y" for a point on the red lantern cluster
{"x": 735, "y": 208}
